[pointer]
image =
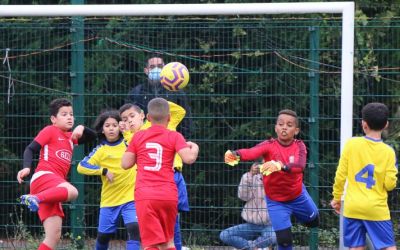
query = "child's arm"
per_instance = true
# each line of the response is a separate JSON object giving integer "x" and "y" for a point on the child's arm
{"x": 177, "y": 115}
{"x": 90, "y": 165}
{"x": 32, "y": 148}
{"x": 233, "y": 157}
{"x": 341, "y": 174}
{"x": 128, "y": 160}
{"x": 245, "y": 192}
{"x": 189, "y": 154}
{"x": 391, "y": 174}
{"x": 83, "y": 134}
{"x": 300, "y": 164}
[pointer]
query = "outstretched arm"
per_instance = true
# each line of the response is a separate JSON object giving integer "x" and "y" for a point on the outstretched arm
{"x": 83, "y": 134}
{"x": 128, "y": 160}
{"x": 189, "y": 154}
{"x": 177, "y": 115}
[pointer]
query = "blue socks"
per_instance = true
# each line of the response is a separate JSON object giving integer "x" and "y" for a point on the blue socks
{"x": 132, "y": 245}
{"x": 100, "y": 246}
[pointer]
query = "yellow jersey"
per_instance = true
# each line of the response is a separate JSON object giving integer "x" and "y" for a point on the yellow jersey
{"x": 177, "y": 115}
{"x": 109, "y": 155}
{"x": 370, "y": 168}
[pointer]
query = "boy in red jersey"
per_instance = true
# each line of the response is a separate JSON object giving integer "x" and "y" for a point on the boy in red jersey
{"x": 284, "y": 163}
{"x": 370, "y": 168}
{"x": 156, "y": 194}
{"x": 48, "y": 184}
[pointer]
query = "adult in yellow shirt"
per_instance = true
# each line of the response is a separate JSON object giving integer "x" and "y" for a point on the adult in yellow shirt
{"x": 370, "y": 168}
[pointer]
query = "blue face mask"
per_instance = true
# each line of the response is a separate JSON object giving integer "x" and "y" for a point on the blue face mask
{"x": 154, "y": 74}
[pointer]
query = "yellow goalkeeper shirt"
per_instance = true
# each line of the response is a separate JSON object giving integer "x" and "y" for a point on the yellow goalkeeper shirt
{"x": 177, "y": 115}
{"x": 370, "y": 168}
{"x": 109, "y": 155}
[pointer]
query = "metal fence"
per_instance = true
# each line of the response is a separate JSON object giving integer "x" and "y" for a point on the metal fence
{"x": 243, "y": 71}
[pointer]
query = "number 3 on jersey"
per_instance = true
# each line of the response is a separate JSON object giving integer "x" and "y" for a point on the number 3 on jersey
{"x": 369, "y": 179}
{"x": 157, "y": 156}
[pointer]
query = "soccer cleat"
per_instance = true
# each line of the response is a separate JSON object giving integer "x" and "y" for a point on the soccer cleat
{"x": 31, "y": 201}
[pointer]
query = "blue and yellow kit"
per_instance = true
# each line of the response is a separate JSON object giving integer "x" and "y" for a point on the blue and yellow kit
{"x": 108, "y": 155}
{"x": 370, "y": 168}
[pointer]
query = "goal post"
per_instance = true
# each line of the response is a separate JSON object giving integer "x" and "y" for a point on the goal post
{"x": 346, "y": 9}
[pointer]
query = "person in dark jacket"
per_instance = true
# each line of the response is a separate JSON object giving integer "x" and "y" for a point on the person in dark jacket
{"x": 141, "y": 94}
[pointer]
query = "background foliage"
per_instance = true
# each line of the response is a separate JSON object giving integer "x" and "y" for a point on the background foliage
{"x": 243, "y": 71}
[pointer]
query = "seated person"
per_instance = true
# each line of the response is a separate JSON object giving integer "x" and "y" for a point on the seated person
{"x": 257, "y": 231}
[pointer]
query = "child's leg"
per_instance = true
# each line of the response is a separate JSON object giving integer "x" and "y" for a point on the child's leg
{"x": 279, "y": 215}
{"x": 133, "y": 242}
{"x": 52, "y": 229}
{"x": 108, "y": 219}
{"x": 167, "y": 246}
{"x": 61, "y": 193}
{"x": 72, "y": 191}
{"x": 102, "y": 241}
{"x": 177, "y": 234}
{"x": 128, "y": 212}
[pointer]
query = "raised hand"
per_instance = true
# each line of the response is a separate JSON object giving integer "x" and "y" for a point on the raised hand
{"x": 22, "y": 174}
{"x": 270, "y": 167}
{"x": 231, "y": 158}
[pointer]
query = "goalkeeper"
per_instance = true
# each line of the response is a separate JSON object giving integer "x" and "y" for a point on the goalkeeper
{"x": 284, "y": 163}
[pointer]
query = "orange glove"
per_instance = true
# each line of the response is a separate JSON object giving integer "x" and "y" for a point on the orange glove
{"x": 231, "y": 158}
{"x": 269, "y": 167}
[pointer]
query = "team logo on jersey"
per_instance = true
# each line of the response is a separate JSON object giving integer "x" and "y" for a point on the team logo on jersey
{"x": 291, "y": 159}
{"x": 64, "y": 154}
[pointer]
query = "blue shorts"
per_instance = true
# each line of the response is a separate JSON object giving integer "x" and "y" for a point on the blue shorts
{"x": 108, "y": 219}
{"x": 183, "y": 202}
{"x": 380, "y": 232}
{"x": 303, "y": 208}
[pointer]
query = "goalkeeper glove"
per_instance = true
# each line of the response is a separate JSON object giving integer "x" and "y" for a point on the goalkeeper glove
{"x": 271, "y": 166}
{"x": 231, "y": 158}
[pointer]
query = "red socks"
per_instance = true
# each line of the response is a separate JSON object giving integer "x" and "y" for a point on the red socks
{"x": 44, "y": 247}
{"x": 56, "y": 194}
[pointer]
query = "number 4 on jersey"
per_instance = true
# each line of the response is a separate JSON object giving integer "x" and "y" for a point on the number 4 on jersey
{"x": 369, "y": 179}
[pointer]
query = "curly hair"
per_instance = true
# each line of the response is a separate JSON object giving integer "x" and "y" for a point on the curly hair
{"x": 98, "y": 124}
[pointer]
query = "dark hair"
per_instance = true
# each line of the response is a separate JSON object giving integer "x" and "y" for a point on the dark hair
{"x": 376, "y": 115}
{"x": 154, "y": 56}
{"x": 56, "y": 104}
{"x": 127, "y": 106}
{"x": 98, "y": 124}
{"x": 158, "y": 109}
{"x": 291, "y": 113}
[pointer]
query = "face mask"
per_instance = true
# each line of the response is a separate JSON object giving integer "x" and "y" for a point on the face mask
{"x": 154, "y": 74}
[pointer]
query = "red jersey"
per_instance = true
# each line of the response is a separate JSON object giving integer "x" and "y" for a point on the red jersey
{"x": 280, "y": 186}
{"x": 56, "y": 150}
{"x": 155, "y": 149}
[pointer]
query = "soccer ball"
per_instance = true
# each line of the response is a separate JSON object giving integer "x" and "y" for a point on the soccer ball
{"x": 174, "y": 76}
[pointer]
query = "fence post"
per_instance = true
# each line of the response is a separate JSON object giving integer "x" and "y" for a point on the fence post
{"x": 77, "y": 88}
{"x": 314, "y": 126}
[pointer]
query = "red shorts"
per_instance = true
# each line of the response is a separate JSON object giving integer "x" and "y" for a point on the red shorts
{"x": 42, "y": 183}
{"x": 156, "y": 221}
